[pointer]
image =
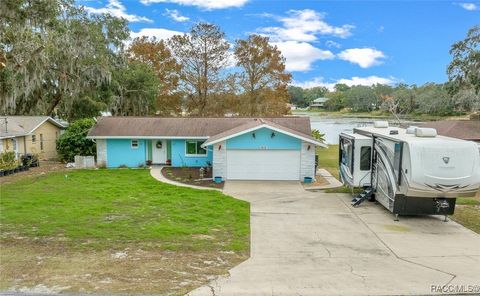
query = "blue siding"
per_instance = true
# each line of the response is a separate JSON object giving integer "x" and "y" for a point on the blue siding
{"x": 120, "y": 152}
{"x": 263, "y": 140}
{"x": 179, "y": 158}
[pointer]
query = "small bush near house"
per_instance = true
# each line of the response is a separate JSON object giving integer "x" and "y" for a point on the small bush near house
{"x": 74, "y": 141}
{"x": 8, "y": 161}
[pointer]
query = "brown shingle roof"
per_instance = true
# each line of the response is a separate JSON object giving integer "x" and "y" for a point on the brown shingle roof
{"x": 461, "y": 129}
{"x": 185, "y": 126}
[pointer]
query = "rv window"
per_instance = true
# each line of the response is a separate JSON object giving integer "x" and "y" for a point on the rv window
{"x": 365, "y": 158}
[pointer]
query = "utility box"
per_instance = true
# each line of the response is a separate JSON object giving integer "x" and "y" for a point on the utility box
{"x": 84, "y": 162}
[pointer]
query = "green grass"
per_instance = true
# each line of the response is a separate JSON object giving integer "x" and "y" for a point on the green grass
{"x": 116, "y": 208}
{"x": 328, "y": 159}
{"x": 472, "y": 201}
{"x": 468, "y": 216}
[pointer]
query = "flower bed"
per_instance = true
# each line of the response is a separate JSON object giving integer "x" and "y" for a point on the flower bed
{"x": 191, "y": 176}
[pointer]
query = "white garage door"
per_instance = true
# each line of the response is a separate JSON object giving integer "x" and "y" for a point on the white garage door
{"x": 263, "y": 165}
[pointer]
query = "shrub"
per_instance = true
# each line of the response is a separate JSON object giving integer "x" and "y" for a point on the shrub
{"x": 8, "y": 161}
{"x": 74, "y": 140}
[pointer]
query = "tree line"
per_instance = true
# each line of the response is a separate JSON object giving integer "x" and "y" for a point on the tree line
{"x": 56, "y": 59}
{"x": 459, "y": 95}
{"x": 430, "y": 98}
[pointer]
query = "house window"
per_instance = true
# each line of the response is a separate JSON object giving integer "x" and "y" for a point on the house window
{"x": 365, "y": 158}
{"x": 34, "y": 139}
{"x": 41, "y": 142}
{"x": 194, "y": 148}
{"x": 134, "y": 144}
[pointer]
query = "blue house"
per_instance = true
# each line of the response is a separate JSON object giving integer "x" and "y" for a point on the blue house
{"x": 236, "y": 148}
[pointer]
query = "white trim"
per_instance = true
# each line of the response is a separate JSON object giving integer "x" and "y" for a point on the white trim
{"x": 195, "y": 155}
{"x": 269, "y": 127}
{"x": 148, "y": 137}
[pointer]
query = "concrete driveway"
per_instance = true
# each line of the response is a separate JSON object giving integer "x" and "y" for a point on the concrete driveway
{"x": 311, "y": 243}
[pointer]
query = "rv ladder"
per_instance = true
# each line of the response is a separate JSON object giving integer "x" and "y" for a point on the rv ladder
{"x": 365, "y": 194}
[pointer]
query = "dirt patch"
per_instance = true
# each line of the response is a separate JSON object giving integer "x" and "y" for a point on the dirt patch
{"x": 190, "y": 176}
{"x": 50, "y": 267}
{"x": 319, "y": 181}
{"x": 44, "y": 168}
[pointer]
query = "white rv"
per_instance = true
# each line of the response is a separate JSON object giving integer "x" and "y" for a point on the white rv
{"x": 409, "y": 171}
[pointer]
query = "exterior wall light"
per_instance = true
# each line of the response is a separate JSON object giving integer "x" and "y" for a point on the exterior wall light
{"x": 253, "y": 135}
{"x": 272, "y": 135}
{"x": 219, "y": 147}
{"x": 308, "y": 148}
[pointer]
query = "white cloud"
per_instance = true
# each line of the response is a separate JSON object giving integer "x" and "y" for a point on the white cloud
{"x": 304, "y": 25}
{"x": 117, "y": 9}
{"x": 331, "y": 44}
{"x": 159, "y": 33}
{"x": 468, "y": 6}
{"x": 175, "y": 15}
{"x": 300, "y": 55}
{"x": 364, "y": 57}
{"x": 367, "y": 81}
{"x": 204, "y": 4}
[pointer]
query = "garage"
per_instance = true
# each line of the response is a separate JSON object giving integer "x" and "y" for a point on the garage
{"x": 263, "y": 164}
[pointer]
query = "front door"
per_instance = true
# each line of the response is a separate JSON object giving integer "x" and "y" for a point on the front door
{"x": 159, "y": 151}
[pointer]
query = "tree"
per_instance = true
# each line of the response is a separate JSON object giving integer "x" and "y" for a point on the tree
{"x": 361, "y": 98}
{"x": 315, "y": 93}
{"x": 464, "y": 70}
{"x": 134, "y": 89}
{"x": 434, "y": 99}
{"x": 74, "y": 140}
{"x": 297, "y": 96}
{"x": 317, "y": 135}
{"x": 55, "y": 55}
{"x": 156, "y": 54}
{"x": 203, "y": 54}
{"x": 336, "y": 101}
{"x": 263, "y": 79}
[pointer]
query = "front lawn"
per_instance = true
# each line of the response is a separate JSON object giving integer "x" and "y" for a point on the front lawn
{"x": 160, "y": 238}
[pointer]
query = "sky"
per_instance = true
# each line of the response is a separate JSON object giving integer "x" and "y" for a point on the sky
{"x": 324, "y": 42}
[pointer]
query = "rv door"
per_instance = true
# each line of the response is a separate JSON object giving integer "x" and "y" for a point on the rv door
{"x": 346, "y": 159}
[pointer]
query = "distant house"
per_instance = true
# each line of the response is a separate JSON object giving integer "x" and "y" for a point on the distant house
{"x": 30, "y": 134}
{"x": 318, "y": 103}
{"x": 460, "y": 129}
{"x": 236, "y": 148}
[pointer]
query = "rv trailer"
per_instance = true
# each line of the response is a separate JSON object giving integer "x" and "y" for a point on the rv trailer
{"x": 409, "y": 171}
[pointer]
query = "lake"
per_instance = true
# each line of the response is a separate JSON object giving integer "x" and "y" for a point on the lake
{"x": 332, "y": 127}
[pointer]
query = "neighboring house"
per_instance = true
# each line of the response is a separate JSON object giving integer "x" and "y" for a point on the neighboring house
{"x": 318, "y": 103}
{"x": 236, "y": 148}
{"x": 460, "y": 129}
{"x": 30, "y": 134}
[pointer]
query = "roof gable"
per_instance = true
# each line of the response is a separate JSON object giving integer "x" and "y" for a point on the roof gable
{"x": 259, "y": 124}
{"x": 24, "y": 125}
